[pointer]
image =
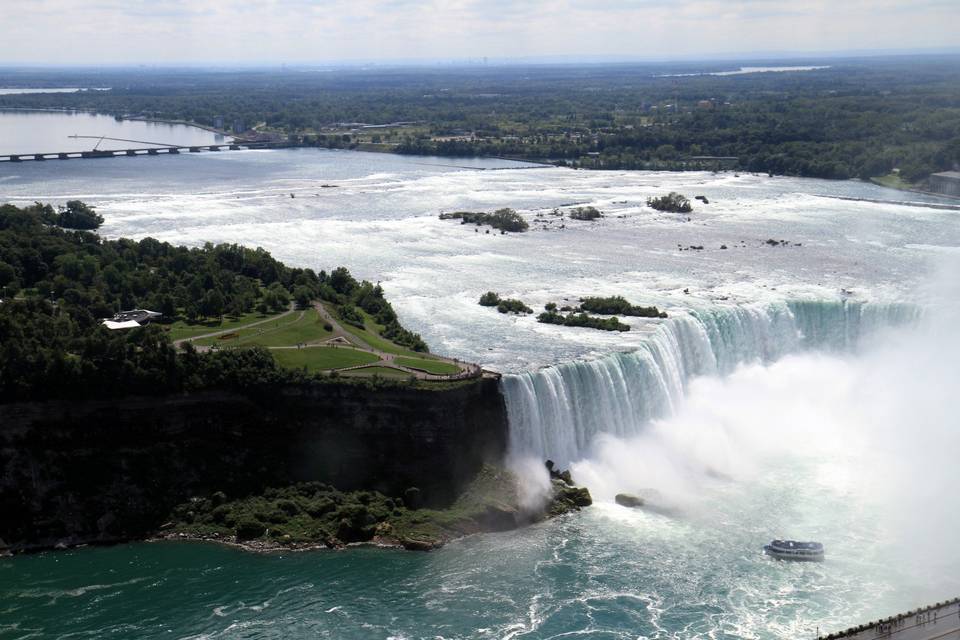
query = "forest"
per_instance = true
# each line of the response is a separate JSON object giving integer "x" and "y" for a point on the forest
{"x": 59, "y": 279}
{"x": 854, "y": 118}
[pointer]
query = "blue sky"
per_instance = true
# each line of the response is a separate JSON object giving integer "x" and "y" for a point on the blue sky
{"x": 307, "y": 31}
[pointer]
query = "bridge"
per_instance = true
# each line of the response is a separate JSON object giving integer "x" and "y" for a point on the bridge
{"x": 137, "y": 151}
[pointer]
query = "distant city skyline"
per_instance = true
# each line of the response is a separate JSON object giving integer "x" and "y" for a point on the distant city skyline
{"x": 251, "y": 32}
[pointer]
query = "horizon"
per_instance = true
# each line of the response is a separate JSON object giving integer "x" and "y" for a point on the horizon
{"x": 417, "y": 32}
{"x": 772, "y": 57}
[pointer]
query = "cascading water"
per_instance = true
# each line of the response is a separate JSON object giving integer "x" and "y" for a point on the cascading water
{"x": 557, "y": 412}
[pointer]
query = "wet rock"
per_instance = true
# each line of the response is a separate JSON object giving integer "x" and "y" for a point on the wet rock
{"x": 418, "y": 544}
{"x": 628, "y": 500}
{"x": 566, "y": 498}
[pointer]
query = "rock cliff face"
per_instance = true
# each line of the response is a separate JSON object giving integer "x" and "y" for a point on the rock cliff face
{"x": 103, "y": 471}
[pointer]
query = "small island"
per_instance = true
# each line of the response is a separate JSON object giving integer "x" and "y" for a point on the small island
{"x": 579, "y": 316}
{"x": 618, "y": 305}
{"x": 672, "y": 203}
{"x": 504, "y": 305}
{"x": 503, "y": 219}
{"x": 551, "y": 316}
{"x": 585, "y": 213}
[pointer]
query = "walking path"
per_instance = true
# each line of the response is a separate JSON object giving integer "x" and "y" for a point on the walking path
{"x": 355, "y": 343}
{"x": 214, "y": 334}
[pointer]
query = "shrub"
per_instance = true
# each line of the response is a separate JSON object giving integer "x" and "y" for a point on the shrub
{"x": 513, "y": 306}
{"x": 249, "y": 529}
{"x": 617, "y": 305}
{"x": 489, "y": 299}
{"x": 585, "y": 213}
{"x": 582, "y": 320}
{"x": 672, "y": 202}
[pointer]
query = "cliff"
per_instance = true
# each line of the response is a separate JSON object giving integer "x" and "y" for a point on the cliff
{"x": 102, "y": 471}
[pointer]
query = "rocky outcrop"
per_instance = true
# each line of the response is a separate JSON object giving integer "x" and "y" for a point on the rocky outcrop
{"x": 628, "y": 500}
{"x": 102, "y": 471}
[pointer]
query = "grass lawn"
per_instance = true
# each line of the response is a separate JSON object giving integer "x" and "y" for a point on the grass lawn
{"x": 322, "y": 358}
{"x": 437, "y": 367}
{"x": 386, "y": 372}
{"x": 892, "y": 180}
{"x": 306, "y": 326}
{"x": 182, "y": 329}
{"x": 372, "y": 336}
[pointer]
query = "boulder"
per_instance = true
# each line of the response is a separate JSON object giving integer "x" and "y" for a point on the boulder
{"x": 565, "y": 499}
{"x": 628, "y": 500}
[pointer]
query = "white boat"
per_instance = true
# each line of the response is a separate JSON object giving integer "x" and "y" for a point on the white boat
{"x": 793, "y": 550}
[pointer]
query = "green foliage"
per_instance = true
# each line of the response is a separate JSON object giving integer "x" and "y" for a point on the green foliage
{"x": 585, "y": 213}
{"x": 582, "y": 320}
{"x": 672, "y": 202}
{"x": 351, "y": 315}
{"x": 513, "y": 306}
{"x": 858, "y": 118}
{"x": 52, "y": 342}
{"x": 314, "y": 512}
{"x": 489, "y": 299}
{"x": 348, "y": 295}
{"x": 502, "y": 219}
{"x": 77, "y": 215}
{"x": 617, "y": 305}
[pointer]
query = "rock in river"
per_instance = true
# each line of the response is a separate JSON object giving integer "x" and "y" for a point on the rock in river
{"x": 628, "y": 500}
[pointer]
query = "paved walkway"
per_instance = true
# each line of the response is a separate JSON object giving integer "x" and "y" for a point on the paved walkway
{"x": 339, "y": 334}
{"x": 221, "y": 332}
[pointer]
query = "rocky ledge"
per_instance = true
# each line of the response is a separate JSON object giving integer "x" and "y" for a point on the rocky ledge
{"x": 314, "y": 515}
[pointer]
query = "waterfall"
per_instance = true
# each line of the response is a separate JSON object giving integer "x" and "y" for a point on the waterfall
{"x": 557, "y": 411}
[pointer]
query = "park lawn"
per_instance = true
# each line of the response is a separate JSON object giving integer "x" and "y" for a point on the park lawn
{"x": 892, "y": 180}
{"x": 182, "y": 329}
{"x": 298, "y": 327}
{"x": 437, "y": 367}
{"x": 322, "y": 358}
{"x": 385, "y": 372}
{"x": 372, "y": 336}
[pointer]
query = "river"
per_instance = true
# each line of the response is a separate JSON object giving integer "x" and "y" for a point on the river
{"x": 28, "y": 131}
{"x": 770, "y": 403}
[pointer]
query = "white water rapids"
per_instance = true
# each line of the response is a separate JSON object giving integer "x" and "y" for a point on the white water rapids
{"x": 803, "y": 389}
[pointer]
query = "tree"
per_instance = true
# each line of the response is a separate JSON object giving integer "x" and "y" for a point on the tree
{"x": 212, "y": 304}
{"x": 303, "y": 296}
{"x": 78, "y": 215}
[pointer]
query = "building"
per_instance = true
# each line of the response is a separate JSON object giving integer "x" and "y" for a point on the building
{"x": 130, "y": 319}
{"x": 936, "y": 622}
{"x": 947, "y": 183}
{"x": 218, "y": 122}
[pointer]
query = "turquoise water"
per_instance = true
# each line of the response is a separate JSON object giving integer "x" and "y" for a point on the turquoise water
{"x": 607, "y": 572}
{"x": 811, "y": 447}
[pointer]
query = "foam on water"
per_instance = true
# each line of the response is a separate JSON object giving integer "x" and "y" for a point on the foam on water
{"x": 558, "y": 411}
{"x": 696, "y": 406}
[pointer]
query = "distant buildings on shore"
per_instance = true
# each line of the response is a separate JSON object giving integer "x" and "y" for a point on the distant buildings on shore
{"x": 946, "y": 182}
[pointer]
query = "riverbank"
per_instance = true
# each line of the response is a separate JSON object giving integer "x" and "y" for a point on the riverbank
{"x": 312, "y": 516}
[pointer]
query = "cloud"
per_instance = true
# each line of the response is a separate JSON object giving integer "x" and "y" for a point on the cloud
{"x": 250, "y": 31}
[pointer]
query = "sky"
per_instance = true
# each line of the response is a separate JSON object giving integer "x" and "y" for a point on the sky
{"x": 165, "y": 32}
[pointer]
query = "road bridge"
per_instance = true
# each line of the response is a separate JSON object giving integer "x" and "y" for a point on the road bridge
{"x": 137, "y": 151}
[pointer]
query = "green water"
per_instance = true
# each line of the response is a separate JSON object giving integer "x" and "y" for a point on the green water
{"x": 607, "y": 572}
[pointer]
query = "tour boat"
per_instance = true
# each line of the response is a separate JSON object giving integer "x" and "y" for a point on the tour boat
{"x": 793, "y": 550}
